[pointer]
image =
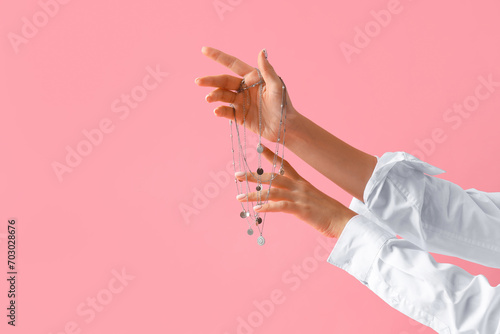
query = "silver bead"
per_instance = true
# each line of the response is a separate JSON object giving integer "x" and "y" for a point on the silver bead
{"x": 260, "y": 148}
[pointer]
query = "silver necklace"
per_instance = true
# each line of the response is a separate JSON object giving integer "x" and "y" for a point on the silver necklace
{"x": 242, "y": 160}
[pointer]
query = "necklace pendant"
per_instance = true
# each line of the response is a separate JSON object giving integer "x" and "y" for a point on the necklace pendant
{"x": 260, "y": 148}
{"x": 244, "y": 214}
{"x": 282, "y": 171}
{"x": 260, "y": 171}
{"x": 249, "y": 231}
{"x": 261, "y": 240}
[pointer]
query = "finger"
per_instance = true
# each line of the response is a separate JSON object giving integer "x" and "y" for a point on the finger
{"x": 273, "y": 81}
{"x": 273, "y": 194}
{"x": 229, "y": 113}
{"x": 222, "y": 95}
{"x": 234, "y": 64}
{"x": 280, "y": 206}
{"x": 276, "y": 179}
{"x": 289, "y": 170}
{"x": 224, "y": 111}
{"x": 225, "y": 81}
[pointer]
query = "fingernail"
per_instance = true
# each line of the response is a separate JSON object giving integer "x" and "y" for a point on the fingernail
{"x": 206, "y": 97}
{"x": 257, "y": 207}
{"x": 196, "y": 80}
{"x": 241, "y": 196}
{"x": 215, "y": 112}
{"x": 239, "y": 174}
{"x": 265, "y": 53}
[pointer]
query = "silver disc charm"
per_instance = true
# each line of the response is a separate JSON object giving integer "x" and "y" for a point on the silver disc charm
{"x": 250, "y": 231}
{"x": 260, "y": 148}
{"x": 243, "y": 214}
{"x": 282, "y": 171}
{"x": 260, "y": 240}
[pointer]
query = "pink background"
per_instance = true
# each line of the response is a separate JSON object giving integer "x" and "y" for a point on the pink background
{"x": 119, "y": 208}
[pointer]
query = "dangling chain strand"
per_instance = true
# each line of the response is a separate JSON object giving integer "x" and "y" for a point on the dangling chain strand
{"x": 242, "y": 160}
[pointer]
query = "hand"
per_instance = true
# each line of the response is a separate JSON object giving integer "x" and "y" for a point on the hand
{"x": 291, "y": 193}
{"x": 228, "y": 84}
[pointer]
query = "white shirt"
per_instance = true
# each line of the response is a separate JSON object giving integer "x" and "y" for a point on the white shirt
{"x": 432, "y": 215}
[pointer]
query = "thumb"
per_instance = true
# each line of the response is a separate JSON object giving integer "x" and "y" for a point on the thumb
{"x": 272, "y": 79}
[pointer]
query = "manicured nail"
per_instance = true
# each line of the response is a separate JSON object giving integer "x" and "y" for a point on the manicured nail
{"x": 241, "y": 196}
{"x": 215, "y": 112}
{"x": 239, "y": 174}
{"x": 265, "y": 53}
{"x": 196, "y": 80}
{"x": 257, "y": 207}
{"x": 206, "y": 97}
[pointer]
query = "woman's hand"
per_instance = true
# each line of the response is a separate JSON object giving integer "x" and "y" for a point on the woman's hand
{"x": 291, "y": 193}
{"x": 227, "y": 85}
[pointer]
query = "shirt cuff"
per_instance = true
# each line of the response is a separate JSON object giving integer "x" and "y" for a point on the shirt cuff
{"x": 358, "y": 246}
{"x": 387, "y": 161}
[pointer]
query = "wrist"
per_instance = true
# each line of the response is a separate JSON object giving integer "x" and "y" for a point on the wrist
{"x": 295, "y": 127}
{"x": 339, "y": 223}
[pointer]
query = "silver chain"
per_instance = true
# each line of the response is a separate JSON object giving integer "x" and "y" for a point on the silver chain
{"x": 242, "y": 161}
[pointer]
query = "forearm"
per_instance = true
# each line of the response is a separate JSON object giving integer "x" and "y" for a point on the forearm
{"x": 343, "y": 164}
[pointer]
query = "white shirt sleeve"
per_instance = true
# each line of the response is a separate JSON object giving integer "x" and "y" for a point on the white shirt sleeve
{"x": 435, "y": 214}
{"x": 441, "y": 296}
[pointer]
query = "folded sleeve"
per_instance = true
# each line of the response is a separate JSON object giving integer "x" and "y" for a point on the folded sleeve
{"x": 441, "y": 296}
{"x": 404, "y": 197}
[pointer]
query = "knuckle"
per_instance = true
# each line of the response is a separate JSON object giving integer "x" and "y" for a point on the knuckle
{"x": 284, "y": 205}
{"x": 300, "y": 186}
{"x": 232, "y": 62}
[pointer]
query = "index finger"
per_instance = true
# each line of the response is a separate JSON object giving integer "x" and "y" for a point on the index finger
{"x": 234, "y": 64}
